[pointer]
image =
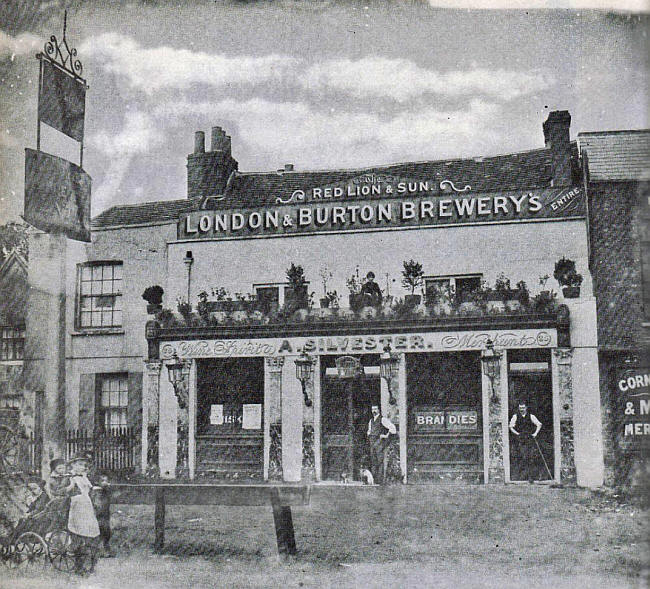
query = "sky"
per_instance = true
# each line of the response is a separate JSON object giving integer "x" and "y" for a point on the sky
{"x": 320, "y": 84}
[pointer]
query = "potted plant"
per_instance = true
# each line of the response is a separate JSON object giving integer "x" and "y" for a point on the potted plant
{"x": 568, "y": 278}
{"x": 325, "y": 275}
{"x": 296, "y": 296}
{"x": 354, "y": 286}
{"x": 332, "y": 299}
{"x": 544, "y": 301}
{"x": 522, "y": 296}
{"x": 153, "y": 295}
{"x": 185, "y": 309}
{"x": 412, "y": 278}
{"x": 203, "y": 307}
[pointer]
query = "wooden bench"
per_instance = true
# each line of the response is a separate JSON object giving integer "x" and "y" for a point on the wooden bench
{"x": 280, "y": 497}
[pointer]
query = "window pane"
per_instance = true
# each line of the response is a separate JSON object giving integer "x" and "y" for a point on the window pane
{"x": 108, "y": 272}
{"x": 105, "y": 399}
{"x": 117, "y": 318}
{"x": 86, "y": 288}
{"x": 97, "y": 272}
{"x": 117, "y": 286}
{"x": 117, "y": 271}
{"x": 86, "y": 273}
{"x": 107, "y": 318}
{"x": 107, "y": 287}
{"x": 96, "y": 319}
{"x": 85, "y": 320}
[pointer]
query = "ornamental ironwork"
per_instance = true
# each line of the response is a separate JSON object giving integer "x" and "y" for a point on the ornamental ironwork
{"x": 62, "y": 54}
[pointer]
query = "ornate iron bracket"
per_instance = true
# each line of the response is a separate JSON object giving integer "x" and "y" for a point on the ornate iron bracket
{"x": 62, "y": 54}
{"x": 448, "y": 183}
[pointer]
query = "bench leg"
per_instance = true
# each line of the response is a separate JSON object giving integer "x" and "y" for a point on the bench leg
{"x": 159, "y": 521}
{"x": 284, "y": 529}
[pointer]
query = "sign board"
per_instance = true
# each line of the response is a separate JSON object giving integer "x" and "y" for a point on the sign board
{"x": 57, "y": 195}
{"x": 62, "y": 101}
{"x": 251, "y": 416}
{"x": 634, "y": 395}
{"x": 440, "y": 420}
{"x": 440, "y": 341}
{"x": 403, "y": 210}
{"x": 216, "y": 414}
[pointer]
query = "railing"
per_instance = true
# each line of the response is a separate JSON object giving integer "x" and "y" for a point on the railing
{"x": 113, "y": 451}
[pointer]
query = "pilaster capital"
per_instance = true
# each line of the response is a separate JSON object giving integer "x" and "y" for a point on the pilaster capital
{"x": 275, "y": 363}
{"x": 153, "y": 367}
{"x": 563, "y": 355}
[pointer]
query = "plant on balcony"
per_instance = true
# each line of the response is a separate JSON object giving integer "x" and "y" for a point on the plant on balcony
{"x": 153, "y": 295}
{"x": 568, "y": 278}
{"x": 325, "y": 275}
{"x": 332, "y": 299}
{"x": 354, "y": 287}
{"x": 185, "y": 309}
{"x": 296, "y": 295}
{"x": 412, "y": 278}
{"x": 545, "y": 300}
{"x": 523, "y": 296}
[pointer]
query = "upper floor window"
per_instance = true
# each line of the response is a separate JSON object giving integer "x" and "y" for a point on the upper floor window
{"x": 100, "y": 295}
{"x": 12, "y": 344}
{"x": 458, "y": 286}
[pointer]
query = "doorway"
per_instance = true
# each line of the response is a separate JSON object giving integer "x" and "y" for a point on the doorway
{"x": 529, "y": 380}
{"x": 345, "y": 410}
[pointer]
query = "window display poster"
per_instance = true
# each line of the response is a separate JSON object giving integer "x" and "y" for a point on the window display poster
{"x": 251, "y": 416}
{"x": 216, "y": 415}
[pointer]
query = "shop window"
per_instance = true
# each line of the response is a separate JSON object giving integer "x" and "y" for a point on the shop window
{"x": 459, "y": 286}
{"x": 100, "y": 295}
{"x": 113, "y": 401}
{"x": 12, "y": 344}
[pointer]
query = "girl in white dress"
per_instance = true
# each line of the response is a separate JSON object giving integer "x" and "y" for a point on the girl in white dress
{"x": 82, "y": 522}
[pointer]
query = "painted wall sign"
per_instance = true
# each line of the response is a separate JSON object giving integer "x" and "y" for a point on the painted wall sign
{"x": 435, "y": 419}
{"x": 363, "y": 344}
{"x": 634, "y": 391}
{"x": 383, "y": 213}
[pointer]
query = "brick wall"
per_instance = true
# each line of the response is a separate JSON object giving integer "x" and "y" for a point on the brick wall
{"x": 615, "y": 228}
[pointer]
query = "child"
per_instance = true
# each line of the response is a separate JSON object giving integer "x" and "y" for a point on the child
{"x": 58, "y": 484}
{"x": 82, "y": 522}
{"x": 41, "y": 499}
{"x": 102, "y": 502}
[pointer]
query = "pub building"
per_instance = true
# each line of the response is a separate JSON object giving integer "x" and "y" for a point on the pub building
{"x": 261, "y": 380}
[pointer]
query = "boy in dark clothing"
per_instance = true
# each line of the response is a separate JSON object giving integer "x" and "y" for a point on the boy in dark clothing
{"x": 101, "y": 498}
{"x": 41, "y": 498}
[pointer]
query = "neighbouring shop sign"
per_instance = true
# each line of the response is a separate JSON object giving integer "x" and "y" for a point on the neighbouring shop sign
{"x": 251, "y": 416}
{"x": 409, "y": 210}
{"x": 366, "y": 344}
{"x": 634, "y": 394}
{"x": 433, "y": 419}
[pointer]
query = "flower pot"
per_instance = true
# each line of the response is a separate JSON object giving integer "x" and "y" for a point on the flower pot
{"x": 356, "y": 301}
{"x": 441, "y": 309}
{"x": 513, "y": 305}
{"x": 152, "y": 308}
{"x": 571, "y": 292}
{"x": 324, "y": 303}
{"x": 496, "y": 306}
{"x": 412, "y": 300}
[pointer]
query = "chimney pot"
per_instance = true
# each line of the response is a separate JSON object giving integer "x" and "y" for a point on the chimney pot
{"x": 218, "y": 137}
{"x": 199, "y": 142}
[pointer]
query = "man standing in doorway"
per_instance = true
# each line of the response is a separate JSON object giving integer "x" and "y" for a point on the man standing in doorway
{"x": 379, "y": 430}
{"x": 525, "y": 426}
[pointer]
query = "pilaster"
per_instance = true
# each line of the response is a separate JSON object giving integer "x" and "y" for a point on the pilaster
{"x": 272, "y": 400}
{"x": 150, "y": 394}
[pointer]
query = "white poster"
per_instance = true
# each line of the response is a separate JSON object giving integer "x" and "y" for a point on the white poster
{"x": 216, "y": 415}
{"x": 252, "y": 416}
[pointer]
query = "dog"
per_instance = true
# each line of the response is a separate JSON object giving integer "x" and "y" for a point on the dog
{"x": 366, "y": 476}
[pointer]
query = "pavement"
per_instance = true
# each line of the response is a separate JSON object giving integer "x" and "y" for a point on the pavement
{"x": 398, "y": 536}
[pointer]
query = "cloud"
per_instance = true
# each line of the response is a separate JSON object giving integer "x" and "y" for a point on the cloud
{"x": 320, "y": 138}
{"x": 139, "y": 134}
{"x": 402, "y": 80}
{"x": 23, "y": 44}
{"x": 152, "y": 69}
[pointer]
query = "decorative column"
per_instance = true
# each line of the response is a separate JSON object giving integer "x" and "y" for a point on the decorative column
{"x": 272, "y": 426}
{"x": 318, "y": 466}
{"x": 403, "y": 415}
{"x": 292, "y": 408}
{"x": 167, "y": 429}
{"x": 191, "y": 433}
{"x": 496, "y": 421}
{"x": 150, "y": 394}
{"x": 563, "y": 446}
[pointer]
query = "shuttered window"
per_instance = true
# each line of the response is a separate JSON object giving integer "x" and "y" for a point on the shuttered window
{"x": 113, "y": 400}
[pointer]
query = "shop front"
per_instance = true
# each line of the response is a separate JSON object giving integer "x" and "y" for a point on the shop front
{"x": 250, "y": 416}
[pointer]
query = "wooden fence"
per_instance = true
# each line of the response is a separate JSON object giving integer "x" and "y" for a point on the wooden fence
{"x": 112, "y": 451}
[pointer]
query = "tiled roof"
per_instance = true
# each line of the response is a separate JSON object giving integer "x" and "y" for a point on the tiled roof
{"x": 617, "y": 155}
{"x": 529, "y": 169}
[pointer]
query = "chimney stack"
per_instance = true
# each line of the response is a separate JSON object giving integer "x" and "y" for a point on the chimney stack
{"x": 208, "y": 172}
{"x": 288, "y": 167}
{"x": 199, "y": 142}
{"x": 557, "y": 140}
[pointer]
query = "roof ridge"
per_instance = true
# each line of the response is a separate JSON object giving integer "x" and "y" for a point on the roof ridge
{"x": 616, "y": 132}
{"x": 480, "y": 158}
